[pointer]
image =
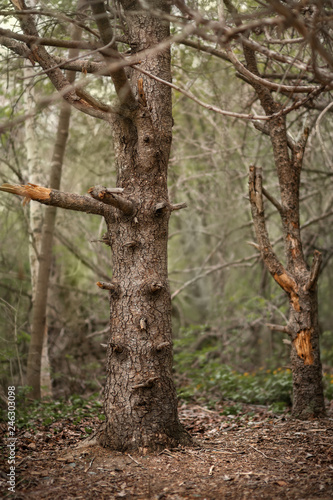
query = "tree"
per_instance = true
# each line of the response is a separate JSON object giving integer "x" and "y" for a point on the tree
{"x": 251, "y": 33}
{"x": 140, "y": 400}
{"x": 38, "y": 341}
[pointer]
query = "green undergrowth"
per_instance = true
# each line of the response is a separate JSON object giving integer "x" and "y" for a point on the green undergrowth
{"x": 201, "y": 376}
{"x": 46, "y": 412}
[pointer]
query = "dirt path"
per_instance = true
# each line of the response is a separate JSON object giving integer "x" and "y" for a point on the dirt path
{"x": 248, "y": 456}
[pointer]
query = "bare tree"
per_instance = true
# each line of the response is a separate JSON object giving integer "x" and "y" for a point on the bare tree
{"x": 295, "y": 77}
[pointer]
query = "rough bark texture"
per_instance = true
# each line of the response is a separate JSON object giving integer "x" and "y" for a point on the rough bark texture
{"x": 140, "y": 398}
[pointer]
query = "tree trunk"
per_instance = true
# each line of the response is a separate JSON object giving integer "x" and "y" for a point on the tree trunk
{"x": 36, "y": 375}
{"x": 140, "y": 398}
{"x": 308, "y": 400}
{"x": 36, "y": 176}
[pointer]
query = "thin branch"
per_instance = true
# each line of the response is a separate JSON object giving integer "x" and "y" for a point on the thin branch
{"x": 320, "y": 117}
{"x": 264, "y": 129}
{"x": 273, "y": 200}
{"x": 278, "y": 328}
{"x": 316, "y": 219}
{"x": 315, "y": 269}
{"x": 214, "y": 269}
{"x": 119, "y": 76}
{"x": 46, "y": 61}
{"x": 271, "y": 54}
{"x": 82, "y": 258}
{"x": 294, "y": 89}
{"x": 204, "y": 105}
{"x": 30, "y": 40}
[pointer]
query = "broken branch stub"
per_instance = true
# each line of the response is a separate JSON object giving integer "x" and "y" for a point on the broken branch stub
{"x": 113, "y": 197}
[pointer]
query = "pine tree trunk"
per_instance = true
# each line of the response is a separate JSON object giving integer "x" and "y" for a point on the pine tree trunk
{"x": 140, "y": 398}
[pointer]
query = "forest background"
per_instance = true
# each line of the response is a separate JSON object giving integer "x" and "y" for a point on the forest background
{"x": 222, "y": 296}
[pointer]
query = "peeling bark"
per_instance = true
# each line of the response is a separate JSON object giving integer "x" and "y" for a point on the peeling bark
{"x": 303, "y": 346}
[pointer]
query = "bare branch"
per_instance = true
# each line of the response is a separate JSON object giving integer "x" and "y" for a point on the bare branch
{"x": 253, "y": 78}
{"x": 237, "y": 263}
{"x": 274, "y": 266}
{"x": 204, "y": 105}
{"x": 55, "y": 198}
{"x": 40, "y": 55}
{"x": 264, "y": 128}
{"x": 315, "y": 269}
{"x": 278, "y": 328}
{"x": 30, "y": 40}
{"x": 273, "y": 200}
{"x": 80, "y": 256}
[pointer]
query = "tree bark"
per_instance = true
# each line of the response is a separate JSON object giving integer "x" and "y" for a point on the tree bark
{"x": 140, "y": 398}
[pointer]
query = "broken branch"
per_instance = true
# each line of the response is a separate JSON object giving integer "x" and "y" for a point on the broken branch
{"x": 274, "y": 266}
{"x": 110, "y": 196}
{"x": 106, "y": 286}
{"x": 146, "y": 384}
{"x": 177, "y": 206}
{"x": 53, "y": 197}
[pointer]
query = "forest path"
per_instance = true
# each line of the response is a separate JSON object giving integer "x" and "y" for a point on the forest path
{"x": 250, "y": 455}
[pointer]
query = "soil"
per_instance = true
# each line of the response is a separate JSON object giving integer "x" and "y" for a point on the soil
{"x": 248, "y": 455}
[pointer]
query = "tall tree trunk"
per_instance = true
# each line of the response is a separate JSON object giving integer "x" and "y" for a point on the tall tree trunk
{"x": 36, "y": 176}
{"x": 38, "y": 346}
{"x": 140, "y": 398}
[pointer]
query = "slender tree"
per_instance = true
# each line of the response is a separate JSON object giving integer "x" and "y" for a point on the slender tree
{"x": 38, "y": 346}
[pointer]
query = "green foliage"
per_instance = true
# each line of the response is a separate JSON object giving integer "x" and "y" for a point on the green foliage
{"x": 46, "y": 412}
{"x": 201, "y": 375}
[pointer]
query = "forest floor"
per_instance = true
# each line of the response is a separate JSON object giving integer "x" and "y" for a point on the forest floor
{"x": 253, "y": 454}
